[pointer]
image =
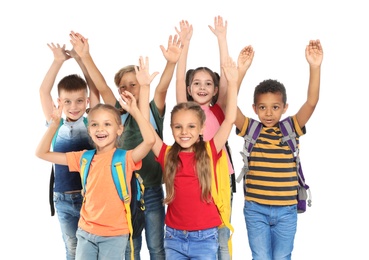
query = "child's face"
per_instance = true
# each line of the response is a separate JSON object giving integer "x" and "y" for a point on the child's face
{"x": 202, "y": 88}
{"x": 270, "y": 108}
{"x": 129, "y": 83}
{"x": 186, "y": 129}
{"x": 104, "y": 129}
{"x": 74, "y": 103}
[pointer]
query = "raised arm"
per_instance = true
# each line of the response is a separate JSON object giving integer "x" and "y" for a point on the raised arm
{"x": 314, "y": 56}
{"x": 81, "y": 46}
{"x": 185, "y": 33}
{"x": 144, "y": 79}
{"x": 43, "y": 149}
{"x": 171, "y": 54}
{"x": 244, "y": 62}
{"x": 220, "y": 31}
{"x": 128, "y": 103}
{"x": 230, "y": 72}
{"x": 94, "y": 94}
{"x": 60, "y": 55}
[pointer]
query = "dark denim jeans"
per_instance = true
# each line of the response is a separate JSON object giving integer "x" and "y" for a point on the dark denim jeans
{"x": 154, "y": 226}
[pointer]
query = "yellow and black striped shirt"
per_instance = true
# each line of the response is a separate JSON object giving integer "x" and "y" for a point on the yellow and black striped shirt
{"x": 272, "y": 179}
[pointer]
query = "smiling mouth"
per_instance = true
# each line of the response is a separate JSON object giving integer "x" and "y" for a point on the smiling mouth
{"x": 101, "y": 136}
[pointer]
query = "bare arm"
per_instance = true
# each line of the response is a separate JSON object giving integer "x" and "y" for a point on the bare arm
{"x": 244, "y": 61}
{"x": 314, "y": 56}
{"x": 94, "y": 93}
{"x": 185, "y": 34}
{"x": 240, "y": 119}
{"x": 171, "y": 54}
{"x": 144, "y": 79}
{"x": 128, "y": 103}
{"x": 47, "y": 103}
{"x": 230, "y": 71}
{"x": 43, "y": 149}
{"x": 220, "y": 31}
{"x": 81, "y": 46}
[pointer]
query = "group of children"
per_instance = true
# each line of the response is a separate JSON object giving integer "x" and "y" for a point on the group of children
{"x": 189, "y": 227}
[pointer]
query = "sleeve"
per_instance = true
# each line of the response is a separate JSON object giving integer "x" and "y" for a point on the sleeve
{"x": 74, "y": 160}
{"x": 159, "y": 120}
{"x": 299, "y": 131}
{"x": 130, "y": 164}
{"x": 242, "y": 132}
{"x": 161, "y": 157}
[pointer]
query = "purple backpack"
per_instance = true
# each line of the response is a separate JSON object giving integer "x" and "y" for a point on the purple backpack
{"x": 289, "y": 136}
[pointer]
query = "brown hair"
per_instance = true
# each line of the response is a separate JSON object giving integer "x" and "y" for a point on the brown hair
{"x": 190, "y": 74}
{"x": 119, "y": 75}
{"x": 172, "y": 162}
{"x": 72, "y": 83}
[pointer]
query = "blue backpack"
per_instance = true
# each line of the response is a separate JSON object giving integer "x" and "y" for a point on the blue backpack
{"x": 134, "y": 202}
{"x": 289, "y": 136}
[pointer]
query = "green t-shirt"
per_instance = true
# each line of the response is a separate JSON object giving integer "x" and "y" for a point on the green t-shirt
{"x": 150, "y": 171}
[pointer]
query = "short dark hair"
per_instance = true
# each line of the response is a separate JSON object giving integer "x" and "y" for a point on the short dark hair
{"x": 270, "y": 86}
{"x": 72, "y": 83}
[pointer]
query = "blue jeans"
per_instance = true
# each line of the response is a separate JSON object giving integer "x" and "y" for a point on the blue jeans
{"x": 68, "y": 207}
{"x": 154, "y": 226}
{"x": 102, "y": 248}
{"x": 271, "y": 230}
{"x": 199, "y": 245}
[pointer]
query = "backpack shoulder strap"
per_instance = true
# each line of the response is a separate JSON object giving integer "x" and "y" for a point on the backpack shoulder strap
{"x": 221, "y": 189}
{"x": 118, "y": 167}
{"x": 85, "y": 121}
{"x": 252, "y": 134}
{"x": 85, "y": 166}
{"x": 289, "y": 136}
{"x": 119, "y": 176}
{"x": 218, "y": 112}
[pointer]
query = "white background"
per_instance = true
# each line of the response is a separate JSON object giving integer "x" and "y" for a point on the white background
{"x": 119, "y": 32}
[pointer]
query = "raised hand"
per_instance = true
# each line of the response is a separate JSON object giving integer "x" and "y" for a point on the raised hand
{"x": 314, "y": 53}
{"x": 56, "y": 115}
{"x": 220, "y": 28}
{"x": 73, "y": 53}
{"x": 173, "y": 52}
{"x": 127, "y": 101}
{"x": 142, "y": 72}
{"x": 185, "y": 31}
{"x": 230, "y": 70}
{"x": 60, "y": 54}
{"x": 79, "y": 43}
{"x": 245, "y": 58}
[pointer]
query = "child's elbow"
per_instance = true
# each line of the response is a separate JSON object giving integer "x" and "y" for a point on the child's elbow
{"x": 151, "y": 140}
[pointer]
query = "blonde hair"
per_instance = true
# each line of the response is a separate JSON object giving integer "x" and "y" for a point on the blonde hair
{"x": 202, "y": 167}
{"x": 119, "y": 75}
{"x": 109, "y": 108}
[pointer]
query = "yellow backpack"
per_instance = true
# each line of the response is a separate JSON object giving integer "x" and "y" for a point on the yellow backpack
{"x": 221, "y": 190}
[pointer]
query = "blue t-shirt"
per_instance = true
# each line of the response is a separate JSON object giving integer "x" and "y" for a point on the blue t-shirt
{"x": 71, "y": 136}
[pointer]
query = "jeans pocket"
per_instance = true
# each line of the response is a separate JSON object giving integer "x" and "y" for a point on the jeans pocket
{"x": 168, "y": 234}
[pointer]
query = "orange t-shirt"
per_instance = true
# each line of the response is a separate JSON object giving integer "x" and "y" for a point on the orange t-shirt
{"x": 103, "y": 212}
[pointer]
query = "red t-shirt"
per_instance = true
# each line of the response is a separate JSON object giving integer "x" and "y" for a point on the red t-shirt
{"x": 188, "y": 211}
